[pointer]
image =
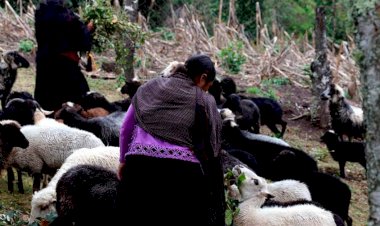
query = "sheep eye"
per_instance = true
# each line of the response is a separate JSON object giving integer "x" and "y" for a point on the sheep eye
{"x": 256, "y": 181}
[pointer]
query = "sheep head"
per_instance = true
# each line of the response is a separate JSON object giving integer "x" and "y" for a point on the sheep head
{"x": 130, "y": 88}
{"x": 334, "y": 93}
{"x": 173, "y": 67}
{"x": 329, "y": 137}
{"x": 22, "y": 110}
{"x": 216, "y": 91}
{"x": 10, "y": 136}
{"x": 15, "y": 60}
{"x": 93, "y": 99}
{"x": 43, "y": 203}
{"x": 228, "y": 86}
{"x": 251, "y": 184}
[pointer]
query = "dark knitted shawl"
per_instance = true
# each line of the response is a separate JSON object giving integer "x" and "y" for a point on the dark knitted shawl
{"x": 165, "y": 108}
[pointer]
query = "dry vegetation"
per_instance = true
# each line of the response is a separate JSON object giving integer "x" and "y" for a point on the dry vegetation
{"x": 280, "y": 56}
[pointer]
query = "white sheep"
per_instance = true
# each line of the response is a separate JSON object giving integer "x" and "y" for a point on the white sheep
{"x": 255, "y": 191}
{"x": 43, "y": 201}
{"x": 289, "y": 190}
{"x": 171, "y": 68}
{"x": 48, "y": 147}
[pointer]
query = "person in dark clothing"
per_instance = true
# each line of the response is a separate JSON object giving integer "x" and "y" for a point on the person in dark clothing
{"x": 60, "y": 35}
{"x": 170, "y": 165}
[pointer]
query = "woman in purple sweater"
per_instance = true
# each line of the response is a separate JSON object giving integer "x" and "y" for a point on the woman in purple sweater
{"x": 170, "y": 169}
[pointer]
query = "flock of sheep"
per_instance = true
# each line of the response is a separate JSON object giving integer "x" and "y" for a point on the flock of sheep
{"x": 73, "y": 156}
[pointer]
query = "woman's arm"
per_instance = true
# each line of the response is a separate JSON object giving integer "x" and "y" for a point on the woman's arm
{"x": 126, "y": 132}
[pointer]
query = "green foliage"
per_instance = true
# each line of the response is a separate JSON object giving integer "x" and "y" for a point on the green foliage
{"x": 120, "y": 80}
{"x": 112, "y": 30}
{"x": 50, "y": 217}
{"x": 362, "y": 6}
{"x": 12, "y": 217}
{"x": 26, "y": 45}
{"x": 294, "y": 16}
{"x": 267, "y": 88}
{"x": 269, "y": 92}
{"x": 166, "y": 34}
{"x": 232, "y": 57}
{"x": 246, "y": 14}
{"x": 231, "y": 210}
{"x": 231, "y": 205}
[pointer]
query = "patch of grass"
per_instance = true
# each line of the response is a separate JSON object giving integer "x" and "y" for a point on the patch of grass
{"x": 269, "y": 92}
{"x": 320, "y": 154}
{"x": 15, "y": 208}
{"x": 166, "y": 34}
{"x": 277, "y": 81}
{"x": 268, "y": 87}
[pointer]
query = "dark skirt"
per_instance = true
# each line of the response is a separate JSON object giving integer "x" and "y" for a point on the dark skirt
{"x": 157, "y": 191}
{"x": 58, "y": 80}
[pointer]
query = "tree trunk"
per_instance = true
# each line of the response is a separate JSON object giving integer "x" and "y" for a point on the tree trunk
{"x": 129, "y": 72}
{"x": 368, "y": 41}
{"x": 321, "y": 73}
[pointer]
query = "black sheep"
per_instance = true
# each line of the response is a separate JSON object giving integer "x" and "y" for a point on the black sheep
{"x": 130, "y": 88}
{"x": 265, "y": 153}
{"x": 245, "y": 157}
{"x": 271, "y": 112}
{"x": 93, "y": 99}
{"x": 345, "y": 119}
{"x": 331, "y": 192}
{"x": 216, "y": 91}
{"x": 8, "y": 73}
{"x": 87, "y": 195}
{"x": 343, "y": 151}
{"x": 246, "y": 111}
{"x": 107, "y": 128}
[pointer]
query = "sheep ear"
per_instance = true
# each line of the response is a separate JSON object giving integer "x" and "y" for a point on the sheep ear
{"x": 13, "y": 65}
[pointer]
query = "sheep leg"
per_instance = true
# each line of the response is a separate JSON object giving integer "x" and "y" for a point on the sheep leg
{"x": 20, "y": 185}
{"x": 341, "y": 169}
{"x": 274, "y": 129}
{"x": 11, "y": 178}
{"x": 256, "y": 128}
{"x": 36, "y": 182}
{"x": 349, "y": 221}
{"x": 283, "y": 129}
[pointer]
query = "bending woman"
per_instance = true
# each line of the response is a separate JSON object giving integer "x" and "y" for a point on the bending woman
{"x": 170, "y": 169}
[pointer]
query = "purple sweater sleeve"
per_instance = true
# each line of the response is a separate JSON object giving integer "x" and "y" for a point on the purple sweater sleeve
{"x": 126, "y": 132}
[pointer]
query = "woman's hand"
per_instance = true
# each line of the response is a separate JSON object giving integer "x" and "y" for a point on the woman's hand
{"x": 120, "y": 170}
{"x": 90, "y": 26}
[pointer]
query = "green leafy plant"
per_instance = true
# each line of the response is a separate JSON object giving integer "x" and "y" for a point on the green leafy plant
{"x": 268, "y": 92}
{"x": 50, "y": 217}
{"x": 26, "y": 45}
{"x": 231, "y": 204}
{"x": 166, "y": 34}
{"x": 112, "y": 30}
{"x": 232, "y": 57}
{"x": 12, "y": 217}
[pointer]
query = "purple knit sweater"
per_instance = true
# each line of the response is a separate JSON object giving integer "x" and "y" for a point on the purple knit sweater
{"x": 136, "y": 141}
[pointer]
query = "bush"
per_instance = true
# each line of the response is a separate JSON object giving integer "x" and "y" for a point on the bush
{"x": 232, "y": 57}
{"x": 26, "y": 45}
